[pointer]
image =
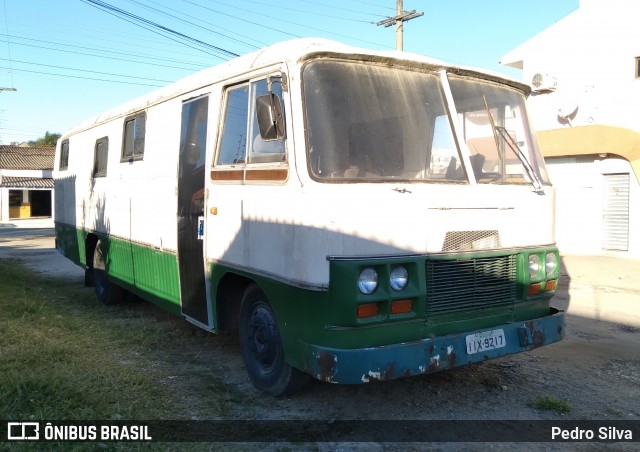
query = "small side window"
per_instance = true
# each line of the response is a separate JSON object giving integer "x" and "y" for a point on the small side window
{"x": 64, "y": 155}
{"x": 133, "y": 141}
{"x": 637, "y": 67}
{"x": 101, "y": 153}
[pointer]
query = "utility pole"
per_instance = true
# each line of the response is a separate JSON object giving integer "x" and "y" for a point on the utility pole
{"x": 400, "y": 18}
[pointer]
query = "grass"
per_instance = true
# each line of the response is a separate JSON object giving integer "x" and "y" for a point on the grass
{"x": 551, "y": 403}
{"x": 63, "y": 356}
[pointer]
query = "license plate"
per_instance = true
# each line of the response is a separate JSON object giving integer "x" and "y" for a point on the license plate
{"x": 487, "y": 340}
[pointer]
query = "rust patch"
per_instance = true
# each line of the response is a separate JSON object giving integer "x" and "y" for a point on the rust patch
{"x": 538, "y": 338}
{"x": 434, "y": 365}
{"x": 537, "y": 335}
{"x": 453, "y": 359}
{"x": 390, "y": 372}
{"x": 327, "y": 364}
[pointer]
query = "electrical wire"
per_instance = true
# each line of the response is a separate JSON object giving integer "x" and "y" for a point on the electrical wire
{"x": 138, "y": 55}
{"x": 138, "y": 20}
{"x": 194, "y": 24}
{"x": 330, "y": 16}
{"x": 90, "y": 71}
{"x": 373, "y": 4}
{"x": 241, "y": 19}
{"x": 106, "y": 57}
{"x": 274, "y": 18}
{"x": 84, "y": 78}
{"x": 6, "y": 25}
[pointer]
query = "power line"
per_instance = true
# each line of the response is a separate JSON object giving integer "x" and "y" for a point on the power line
{"x": 85, "y": 78}
{"x": 6, "y": 27}
{"x": 92, "y": 72}
{"x": 330, "y": 16}
{"x": 191, "y": 23}
{"x": 244, "y": 20}
{"x": 107, "y": 57}
{"x": 138, "y": 20}
{"x": 131, "y": 35}
{"x": 96, "y": 49}
{"x": 275, "y": 18}
{"x": 373, "y": 4}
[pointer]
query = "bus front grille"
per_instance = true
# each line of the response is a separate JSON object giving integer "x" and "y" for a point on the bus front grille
{"x": 470, "y": 283}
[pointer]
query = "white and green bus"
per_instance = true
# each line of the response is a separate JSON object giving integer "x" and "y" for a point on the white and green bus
{"x": 356, "y": 215}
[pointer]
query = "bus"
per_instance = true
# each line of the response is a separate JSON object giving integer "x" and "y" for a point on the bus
{"x": 354, "y": 215}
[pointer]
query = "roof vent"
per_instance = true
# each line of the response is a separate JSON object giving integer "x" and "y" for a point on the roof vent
{"x": 543, "y": 83}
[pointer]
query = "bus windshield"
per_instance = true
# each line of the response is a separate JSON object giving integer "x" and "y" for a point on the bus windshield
{"x": 496, "y": 130}
{"x": 375, "y": 123}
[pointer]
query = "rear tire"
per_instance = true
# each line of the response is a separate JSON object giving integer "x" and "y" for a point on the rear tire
{"x": 261, "y": 347}
{"x": 107, "y": 292}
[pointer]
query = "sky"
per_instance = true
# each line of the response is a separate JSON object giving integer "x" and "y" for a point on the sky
{"x": 70, "y": 60}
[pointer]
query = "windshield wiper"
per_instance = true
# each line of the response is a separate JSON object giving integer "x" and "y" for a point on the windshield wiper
{"x": 513, "y": 145}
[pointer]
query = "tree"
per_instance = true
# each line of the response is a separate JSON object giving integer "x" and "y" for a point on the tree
{"x": 49, "y": 139}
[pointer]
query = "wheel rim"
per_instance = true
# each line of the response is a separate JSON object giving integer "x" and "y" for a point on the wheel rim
{"x": 263, "y": 337}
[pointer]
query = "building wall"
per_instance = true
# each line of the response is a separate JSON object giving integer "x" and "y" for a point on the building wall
{"x": 43, "y": 208}
{"x": 580, "y": 204}
{"x": 4, "y": 204}
{"x": 589, "y": 64}
{"x": 590, "y": 56}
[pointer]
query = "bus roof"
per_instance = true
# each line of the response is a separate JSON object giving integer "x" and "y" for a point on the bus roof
{"x": 287, "y": 51}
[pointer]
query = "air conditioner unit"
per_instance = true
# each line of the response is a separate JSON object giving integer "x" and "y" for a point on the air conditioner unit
{"x": 543, "y": 83}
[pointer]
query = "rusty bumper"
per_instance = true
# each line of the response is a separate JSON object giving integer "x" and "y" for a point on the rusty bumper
{"x": 355, "y": 366}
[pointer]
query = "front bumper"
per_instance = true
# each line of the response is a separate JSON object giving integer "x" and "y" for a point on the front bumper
{"x": 355, "y": 366}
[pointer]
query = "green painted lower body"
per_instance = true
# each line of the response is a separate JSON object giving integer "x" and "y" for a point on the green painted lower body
{"x": 321, "y": 327}
{"x": 320, "y": 331}
{"x": 141, "y": 269}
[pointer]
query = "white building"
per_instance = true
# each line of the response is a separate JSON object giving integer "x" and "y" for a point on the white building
{"x": 585, "y": 74}
{"x": 26, "y": 183}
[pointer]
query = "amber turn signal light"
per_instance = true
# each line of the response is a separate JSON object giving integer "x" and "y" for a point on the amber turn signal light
{"x": 401, "y": 307}
{"x": 368, "y": 310}
{"x": 535, "y": 289}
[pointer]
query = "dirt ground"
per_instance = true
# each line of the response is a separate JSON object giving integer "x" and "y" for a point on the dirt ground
{"x": 596, "y": 369}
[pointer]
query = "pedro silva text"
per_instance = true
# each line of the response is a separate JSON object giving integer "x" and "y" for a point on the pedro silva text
{"x": 35, "y": 432}
{"x": 607, "y": 433}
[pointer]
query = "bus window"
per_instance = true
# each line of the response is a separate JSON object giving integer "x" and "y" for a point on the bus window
{"x": 133, "y": 143}
{"x": 64, "y": 155}
{"x": 241, "y": 141}
{"x": 101, "y": 154}
{"x": 496, "y": 131}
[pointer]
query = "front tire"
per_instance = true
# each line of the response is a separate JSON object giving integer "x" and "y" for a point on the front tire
{"x": 107, "y": 292}
{"x": 261, "y": 347}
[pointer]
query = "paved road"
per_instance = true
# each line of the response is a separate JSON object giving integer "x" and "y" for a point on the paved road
{"x": 33, "y": 243}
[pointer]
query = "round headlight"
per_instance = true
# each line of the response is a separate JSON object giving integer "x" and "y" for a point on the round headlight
{"x": 550, "y": 263}
{"x": 368, "y": 281}
{"x": 399, "y": 278}
{"x": 534, "y": 264}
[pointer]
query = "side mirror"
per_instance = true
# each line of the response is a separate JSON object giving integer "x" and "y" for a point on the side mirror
{"x": 270, "y": 118}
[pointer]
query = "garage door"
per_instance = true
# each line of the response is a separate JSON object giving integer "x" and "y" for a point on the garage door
{"x": 616, "y": 212}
